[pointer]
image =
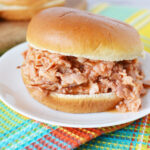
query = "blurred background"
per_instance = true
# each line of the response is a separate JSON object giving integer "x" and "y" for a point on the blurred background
{"x": 16, "y": 14}
{"x": 132, "y": 3}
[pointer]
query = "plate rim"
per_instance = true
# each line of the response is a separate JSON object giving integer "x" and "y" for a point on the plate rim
{"x": 56, "y": 123}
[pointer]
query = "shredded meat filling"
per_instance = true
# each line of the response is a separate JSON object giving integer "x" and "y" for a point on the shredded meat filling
{"x": 74, "y": 75}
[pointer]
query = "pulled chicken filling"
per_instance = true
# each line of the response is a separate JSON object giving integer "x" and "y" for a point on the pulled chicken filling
{"x": 57, "y": 73}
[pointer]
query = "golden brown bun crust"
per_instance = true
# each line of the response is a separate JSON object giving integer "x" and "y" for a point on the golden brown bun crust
{"x": 74, "y": 104}
{"x": 18, "y": 15}
{"x": 26, "y": 14}
{"x": 23, "y": 2}
{"x": 77, "y": 33}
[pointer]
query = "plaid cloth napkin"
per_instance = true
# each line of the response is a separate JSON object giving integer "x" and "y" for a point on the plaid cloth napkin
{"x": 18, "y": 132}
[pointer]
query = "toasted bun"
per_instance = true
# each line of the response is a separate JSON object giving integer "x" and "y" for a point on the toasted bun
{"x": 74, "y": 103}
{"x": 25, "y": 10}
{"x": 78, "y": 33}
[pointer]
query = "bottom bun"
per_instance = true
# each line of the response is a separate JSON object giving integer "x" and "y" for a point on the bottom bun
{"x": 74, "y": 103}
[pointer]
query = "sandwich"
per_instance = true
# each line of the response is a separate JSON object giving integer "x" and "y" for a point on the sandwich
{"x": 25, "y": 9}
{"x": 78, "y": 62}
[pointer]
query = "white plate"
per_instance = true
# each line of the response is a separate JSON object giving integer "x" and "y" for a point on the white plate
{"x": 15, "y": 95}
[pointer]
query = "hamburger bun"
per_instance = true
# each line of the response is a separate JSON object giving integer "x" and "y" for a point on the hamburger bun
{"x": 25, "y": 9}
{"x": 22, "y": 2}
{"x": 77, "y": 33}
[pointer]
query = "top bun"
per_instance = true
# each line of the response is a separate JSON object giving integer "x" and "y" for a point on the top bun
{"x": 77, "y": 33}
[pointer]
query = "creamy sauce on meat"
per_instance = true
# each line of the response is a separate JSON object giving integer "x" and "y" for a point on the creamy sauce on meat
{"x": 51, "y": 72}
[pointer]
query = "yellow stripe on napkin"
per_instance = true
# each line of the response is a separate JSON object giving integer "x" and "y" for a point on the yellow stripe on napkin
{"x": 100, "y": 8}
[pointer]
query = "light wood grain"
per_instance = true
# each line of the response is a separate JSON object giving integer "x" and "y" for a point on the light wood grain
{"x": 11, "y": 34}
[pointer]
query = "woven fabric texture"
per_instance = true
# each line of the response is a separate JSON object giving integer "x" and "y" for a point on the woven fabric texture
{"x": 19, "y": 132}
